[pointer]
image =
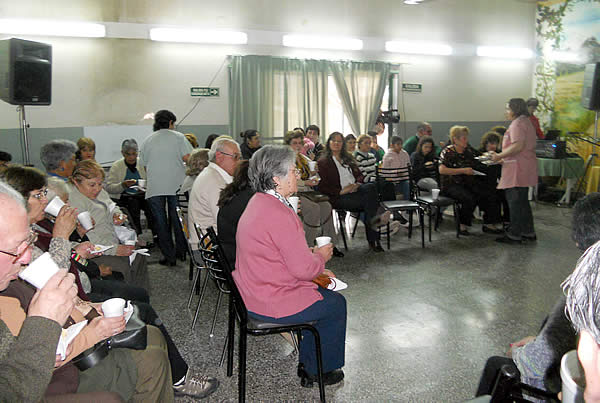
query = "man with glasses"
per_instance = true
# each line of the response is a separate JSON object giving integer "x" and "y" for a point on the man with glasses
{"x": 28, "y": 353}
{"x": 223, "y": 157}
{"x": 163, "y": 155}
{"x": 423, "y": 129}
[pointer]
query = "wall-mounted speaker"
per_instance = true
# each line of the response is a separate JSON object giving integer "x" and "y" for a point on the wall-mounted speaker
{"x": 590, "y": 94}
{"x": 25, "y": 72}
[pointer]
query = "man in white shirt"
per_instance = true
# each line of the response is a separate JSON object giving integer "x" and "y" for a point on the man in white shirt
{"x": 163, "y": 154}
{"x": 223, "y": 157}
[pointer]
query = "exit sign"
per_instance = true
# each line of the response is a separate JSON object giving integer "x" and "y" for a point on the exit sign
{"x": 408, "y": 87}
{"x": 204, "y": 91}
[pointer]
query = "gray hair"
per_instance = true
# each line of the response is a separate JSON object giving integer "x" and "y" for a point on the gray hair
{"x": 197, "y": 161}
{"x": 54, "y": 152}
{"x": 57, "y": 187}
{"x": 582, "y": 289}
{"x": 219, "y": 145}
{"x": 129, "y": 144}
{"x": 268, "y": 162}
{"x": 7, "y": 191}
{"x": 422, "y": 126}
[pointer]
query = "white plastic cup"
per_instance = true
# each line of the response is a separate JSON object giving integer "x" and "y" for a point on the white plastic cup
{"x": 294, "y": 202}
{"x": 86, "y": 220}
{"x": 113, "y": 307}
{"x": 142, "y": 183}
{"x": 39, "y": 271}
{"x": 435, "y": 193}
{"x": 312, "y": 165}
{"x": 53, "y": 208}
{"x": 573, "y": 378}
{"x": 322, "y": 241}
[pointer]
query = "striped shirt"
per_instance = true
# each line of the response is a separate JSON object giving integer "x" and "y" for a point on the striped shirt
{"x": 367, "y": 164}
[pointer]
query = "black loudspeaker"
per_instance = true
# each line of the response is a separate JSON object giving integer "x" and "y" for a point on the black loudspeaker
{"x": 590, "y": 95}
{"x": 25, "y": 72}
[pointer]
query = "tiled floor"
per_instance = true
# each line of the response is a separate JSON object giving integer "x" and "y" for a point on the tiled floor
{"x": 421, "y": 322}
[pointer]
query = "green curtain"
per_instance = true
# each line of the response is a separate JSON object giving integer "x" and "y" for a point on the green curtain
{"x": 360, "y": 86}
{"x": 276, "y": 94}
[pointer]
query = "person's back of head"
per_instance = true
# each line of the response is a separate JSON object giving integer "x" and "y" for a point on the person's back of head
{"x": 55, "y": 151}
{"x": 191, "y": 137}
{"x": 163, "y": 119}
{"x": 586, "y": 221}
{"x": 5, "y": 158}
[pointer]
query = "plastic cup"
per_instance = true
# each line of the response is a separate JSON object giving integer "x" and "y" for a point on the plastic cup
{"x": 53, "y": 208}
{"x": 573, "y": 378}
{"x": 113, "y": 307}
{"x": 435, "y": 193}
{"x": 294, "y": 202}
{"x": 322, "y": 241}
{"x": 86, "y": 220}
{"x": 39, "y": 271}
{"x": 312, "y": 165}
{"x": 141, "y": 183}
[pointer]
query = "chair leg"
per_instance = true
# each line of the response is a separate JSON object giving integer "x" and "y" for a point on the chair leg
{"x": 295, "y": 341}
{"x": 319, "y": 364}
{"x": 191, "y": 273}
{"x": 200, "y": 301}
{"x": 194, "y": 282}
{"x": 242, "y": 366}
{"x": 224, "y": 350}
{"x": 342, "y": 230}
{"x": 429, "y": 214}
{"x": 388, "y": 235}
{"x": 355, "y": 224}
{"x": 422, "y": 222}
{"x": 456, "y": 220}
{"x": 212, "y": 328}
{"x": 230, "y": 336}
{"x": 410, "y": 224}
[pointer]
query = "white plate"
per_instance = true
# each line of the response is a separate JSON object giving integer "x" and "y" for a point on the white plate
{"x": 336, "y": 284}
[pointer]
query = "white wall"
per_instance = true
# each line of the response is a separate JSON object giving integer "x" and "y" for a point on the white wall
{"x": 115, "y": 81}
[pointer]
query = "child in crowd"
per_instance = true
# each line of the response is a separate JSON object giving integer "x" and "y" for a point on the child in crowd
{"x": 365, "y": 158}
{"x": 397, "y": 158}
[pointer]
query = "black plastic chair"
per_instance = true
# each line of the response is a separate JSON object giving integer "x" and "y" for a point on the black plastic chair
{"x": 183, "y": 200}
{"x": 396, "y": 175}
{"x": 433, "y": 207}
{"x": 195, "y": 265}
{"x": 508, "y": 388}
{"x": 254, "y": 327}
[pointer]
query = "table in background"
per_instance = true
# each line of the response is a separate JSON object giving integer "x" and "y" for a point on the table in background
{"x": 569, "y": 168}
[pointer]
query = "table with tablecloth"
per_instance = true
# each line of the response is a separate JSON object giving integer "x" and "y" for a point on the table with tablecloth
{"x": 571, "y": 169}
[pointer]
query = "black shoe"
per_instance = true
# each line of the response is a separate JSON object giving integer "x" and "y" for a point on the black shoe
{"x": 329, "y": 378}
{"x": 181, "y": 256}
{"x": 464, "y": 232}
{"x": 165, "y": 262}
{"x": 337, "y": 252}
{"x": 508, "y": 240}
{"x": 375, "y": 247}
{"x": 489, "y": 230}
{"x": 530, "y": 238}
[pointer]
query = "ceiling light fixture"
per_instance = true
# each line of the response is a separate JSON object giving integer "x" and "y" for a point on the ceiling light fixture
{"x": 52, "y": 28}
{"x": 198, "y": 36}
{"x": 418, "y": 47}
{"x": 322, "y": 42}
{"x": 504, "y": 52}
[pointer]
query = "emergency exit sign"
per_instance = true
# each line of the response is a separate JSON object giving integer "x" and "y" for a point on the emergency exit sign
{"x": 204, "y": 91}
{"x": 409, "y": 87}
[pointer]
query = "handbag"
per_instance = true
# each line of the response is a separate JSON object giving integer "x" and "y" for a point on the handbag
{"x": 314, "y": 196}
{"x": 135, "y": 337}
{"x": 322, "y": 280}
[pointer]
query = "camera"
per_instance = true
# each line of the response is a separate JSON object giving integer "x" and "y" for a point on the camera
{"x": 391, "y": 116}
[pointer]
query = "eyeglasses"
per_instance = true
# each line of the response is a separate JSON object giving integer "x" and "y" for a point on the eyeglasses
{"x": 234, "y": 156}
{"x": 31, "y": 238}
{"x": 42, "y": 195}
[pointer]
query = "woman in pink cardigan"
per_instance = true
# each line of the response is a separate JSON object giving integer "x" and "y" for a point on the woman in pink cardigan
{"x": 275, "y": 267}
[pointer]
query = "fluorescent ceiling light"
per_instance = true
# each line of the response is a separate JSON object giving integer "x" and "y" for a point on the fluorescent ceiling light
{"x": 198, "y": 36}
{"x": 52, "y": 28}
{"x": 504, "y": 53}
{"x": 418, "y": 47}
{"x": 565, "y": 56}
{"x": 322, "y": 42}
{"x": 411, "y": 2}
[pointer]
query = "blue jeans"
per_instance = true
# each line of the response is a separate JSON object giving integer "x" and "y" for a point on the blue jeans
{"x": 164, "y": 224}
{"x": 330, "y": 316}
{"x": 404, "y": 188}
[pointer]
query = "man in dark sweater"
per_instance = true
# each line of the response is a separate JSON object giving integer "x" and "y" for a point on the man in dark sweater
{"x": 27, "y": 361}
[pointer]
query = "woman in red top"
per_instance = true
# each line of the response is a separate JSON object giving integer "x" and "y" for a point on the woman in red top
{"x": 532, "y": 105}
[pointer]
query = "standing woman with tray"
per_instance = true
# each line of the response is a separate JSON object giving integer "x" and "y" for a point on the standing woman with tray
{"x": 519, "y": 171}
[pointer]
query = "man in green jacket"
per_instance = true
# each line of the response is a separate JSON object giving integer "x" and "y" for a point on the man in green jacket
{"x": 27, "y": 360}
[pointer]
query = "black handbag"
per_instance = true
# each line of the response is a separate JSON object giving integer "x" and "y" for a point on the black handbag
{"x": 135, "y": 337}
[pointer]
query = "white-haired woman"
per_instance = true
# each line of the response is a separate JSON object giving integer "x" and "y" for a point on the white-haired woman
{"x": 197, "y": 161}
{"x": 275, "y": 249}
{"x": 124, "y": 174}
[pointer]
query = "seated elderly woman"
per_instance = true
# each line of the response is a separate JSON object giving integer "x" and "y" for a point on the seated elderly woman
{"x": 316, "y": 213}
{"x": 457, "y": 169}
{"x": 197, "y": 161}
{"x": 86, "y": 149}
{"x": 279, "y": 253}
{"x": 341, "y": 180}
{"x": 124, "y": 175}
{"x": 424, "y": 164}
{"x": 53, "y": 237}
{"x": 58, "y": 157}
{"x": 86, "y": 194}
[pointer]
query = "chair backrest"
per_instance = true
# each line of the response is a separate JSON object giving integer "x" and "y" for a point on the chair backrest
{"x": 240, "y": 306}
{"x": 186, "y": 232}
{"x": 212, "y": 262}
{"x": 394, "y": 175}
{"x": 183, "y": 201}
